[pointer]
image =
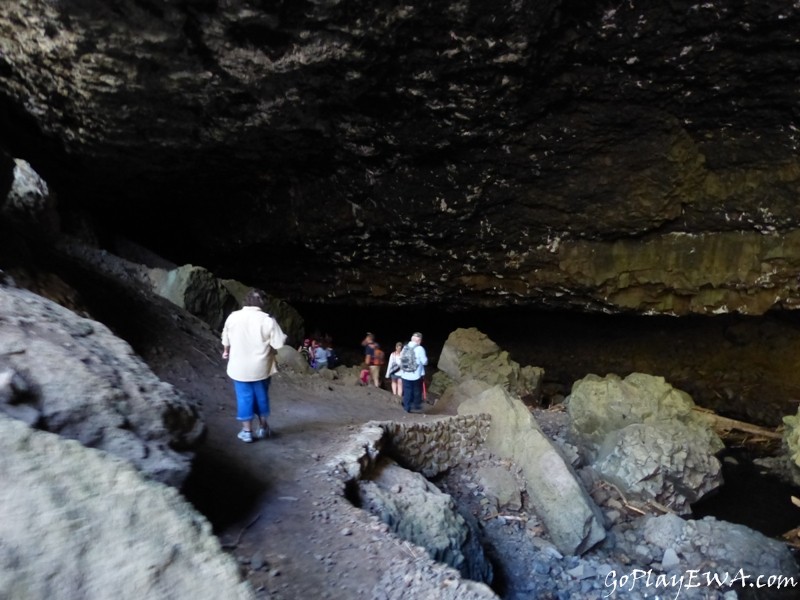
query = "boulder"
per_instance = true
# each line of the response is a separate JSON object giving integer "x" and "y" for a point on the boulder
{"x": 791, "y": 445}
{"x": 292, "y": 360}
{"x": 86, "y": 384}
{"x": 641, "y": 434}
{"x": 30, "y": 201}
{"x": 501, "y": 487}
{"x": 197, "y": 290}
{"x": 455, "y": 394}
{"x": 599, "y": 405}
{"x": 669, "y": 463}
{"x": 419, "y": 512}
{"x": 572, "y": 519}
{"x": 470, "y": 354}
{"x": 79, "y": 523}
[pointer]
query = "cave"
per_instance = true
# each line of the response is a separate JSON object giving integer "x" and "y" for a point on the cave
{"x": 600, "y": 188}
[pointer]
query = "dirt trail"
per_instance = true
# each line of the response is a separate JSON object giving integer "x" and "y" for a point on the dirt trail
{"x": 273, "y": 502}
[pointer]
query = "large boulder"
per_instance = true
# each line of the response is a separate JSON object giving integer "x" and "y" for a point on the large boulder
{"x": 454, "y": 394}
{"x": 70, "y": 375}
{"x": 29, "y": 201}
{"x": 78, "y": 523}
{"x": 572, "y": 519}
{"x": 470, "y": 354}
{"x": 641, "y": 434}
{"x": 419, "y": 512}
{"x": 664, "y": 462}
{"x": 197, "y": 290}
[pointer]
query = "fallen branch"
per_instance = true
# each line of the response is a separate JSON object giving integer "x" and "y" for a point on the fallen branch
{"x": 652, "y": 503}
{"x": 723, "y": 425}
{"x": 507, "y": 517}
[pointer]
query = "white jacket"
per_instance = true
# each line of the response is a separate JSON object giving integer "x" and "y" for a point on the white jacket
{"x": 251, "y": 335}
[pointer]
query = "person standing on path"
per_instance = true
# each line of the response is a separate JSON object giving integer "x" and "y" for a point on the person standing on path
{"x": 373, "y": 358}
{"x": 413, "y": 359}
{"x": 250, "y": 338}
{"x": 393, "y": 370}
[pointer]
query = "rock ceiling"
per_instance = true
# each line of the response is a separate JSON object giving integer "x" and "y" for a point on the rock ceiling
{"x": 603, "y": 156}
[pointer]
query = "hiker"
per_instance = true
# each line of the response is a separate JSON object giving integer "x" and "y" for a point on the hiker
{"x": 374, "y": 358}
{"x": 393, "y": 370}
{"x": 320, "y": 355}
{"x": 250, "y": 339}
{"x": 305, "y": 350}
{"x": 413, "y": 359}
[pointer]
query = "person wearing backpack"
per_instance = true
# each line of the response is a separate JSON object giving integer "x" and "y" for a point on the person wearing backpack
{"x": 374, "y": 358}
{"x": 413, "y": 359}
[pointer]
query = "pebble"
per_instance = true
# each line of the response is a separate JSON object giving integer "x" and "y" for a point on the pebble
{"x": 670, "y": 559}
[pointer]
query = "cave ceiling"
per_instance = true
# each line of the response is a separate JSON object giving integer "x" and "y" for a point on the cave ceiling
{"x": 611, "y": 156}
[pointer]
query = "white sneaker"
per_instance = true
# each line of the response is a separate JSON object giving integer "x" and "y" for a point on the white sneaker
{"x": 245, "y": 436}
{"x": 263, "y": 432}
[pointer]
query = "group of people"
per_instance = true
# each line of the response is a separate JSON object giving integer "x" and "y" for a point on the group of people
{"x": 251, "y": 339}
{"x": 405, "y": 368}
{"x": 319, "y": 354}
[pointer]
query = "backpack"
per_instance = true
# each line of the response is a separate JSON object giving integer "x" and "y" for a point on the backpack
{"x": 304, "y": 352}
{"x": 408, "y": 359}
{"x": 378, "y": 356}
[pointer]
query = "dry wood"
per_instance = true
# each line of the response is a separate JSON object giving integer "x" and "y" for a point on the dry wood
{"x": 792, "y": 537}
{"x": 507, "y": 517}
{"x": 723, "y": 425}
{"x": 651, "y": 503}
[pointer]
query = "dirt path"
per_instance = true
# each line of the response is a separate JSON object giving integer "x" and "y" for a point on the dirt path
{"x": 273, "y": 502}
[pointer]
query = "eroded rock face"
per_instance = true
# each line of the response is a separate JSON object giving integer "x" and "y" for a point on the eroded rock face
{"x": 545, "y": 153}
{"x": 77, "y": 523}
{"x": 70, "y": 375}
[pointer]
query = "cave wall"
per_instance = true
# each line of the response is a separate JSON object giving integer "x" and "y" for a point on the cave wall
{"x": 634, "y": 156}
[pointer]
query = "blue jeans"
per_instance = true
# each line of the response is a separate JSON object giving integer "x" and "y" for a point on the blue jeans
{"x": 412, "y": 394}
{"x": 252, "y": 398}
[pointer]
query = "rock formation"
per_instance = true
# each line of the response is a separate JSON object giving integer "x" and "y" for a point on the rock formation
{"x": 70, "y": 375}
{"x": 78, "y": 523}
{"x": 418, "y": 512}
{"x": 469, "y": 354}
{"x": 640, "y": 433}
{"x": 571, "y": 517}
{"x": 623, "y": 157}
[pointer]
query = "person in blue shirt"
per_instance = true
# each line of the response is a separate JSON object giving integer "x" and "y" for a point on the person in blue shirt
{"x": 412, "y": 371}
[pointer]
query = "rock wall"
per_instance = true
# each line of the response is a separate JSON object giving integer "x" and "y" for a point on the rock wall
{"x": 70, "y": 375}
{"x": 428, "y": 448}
{"x": 79, "y": 523}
